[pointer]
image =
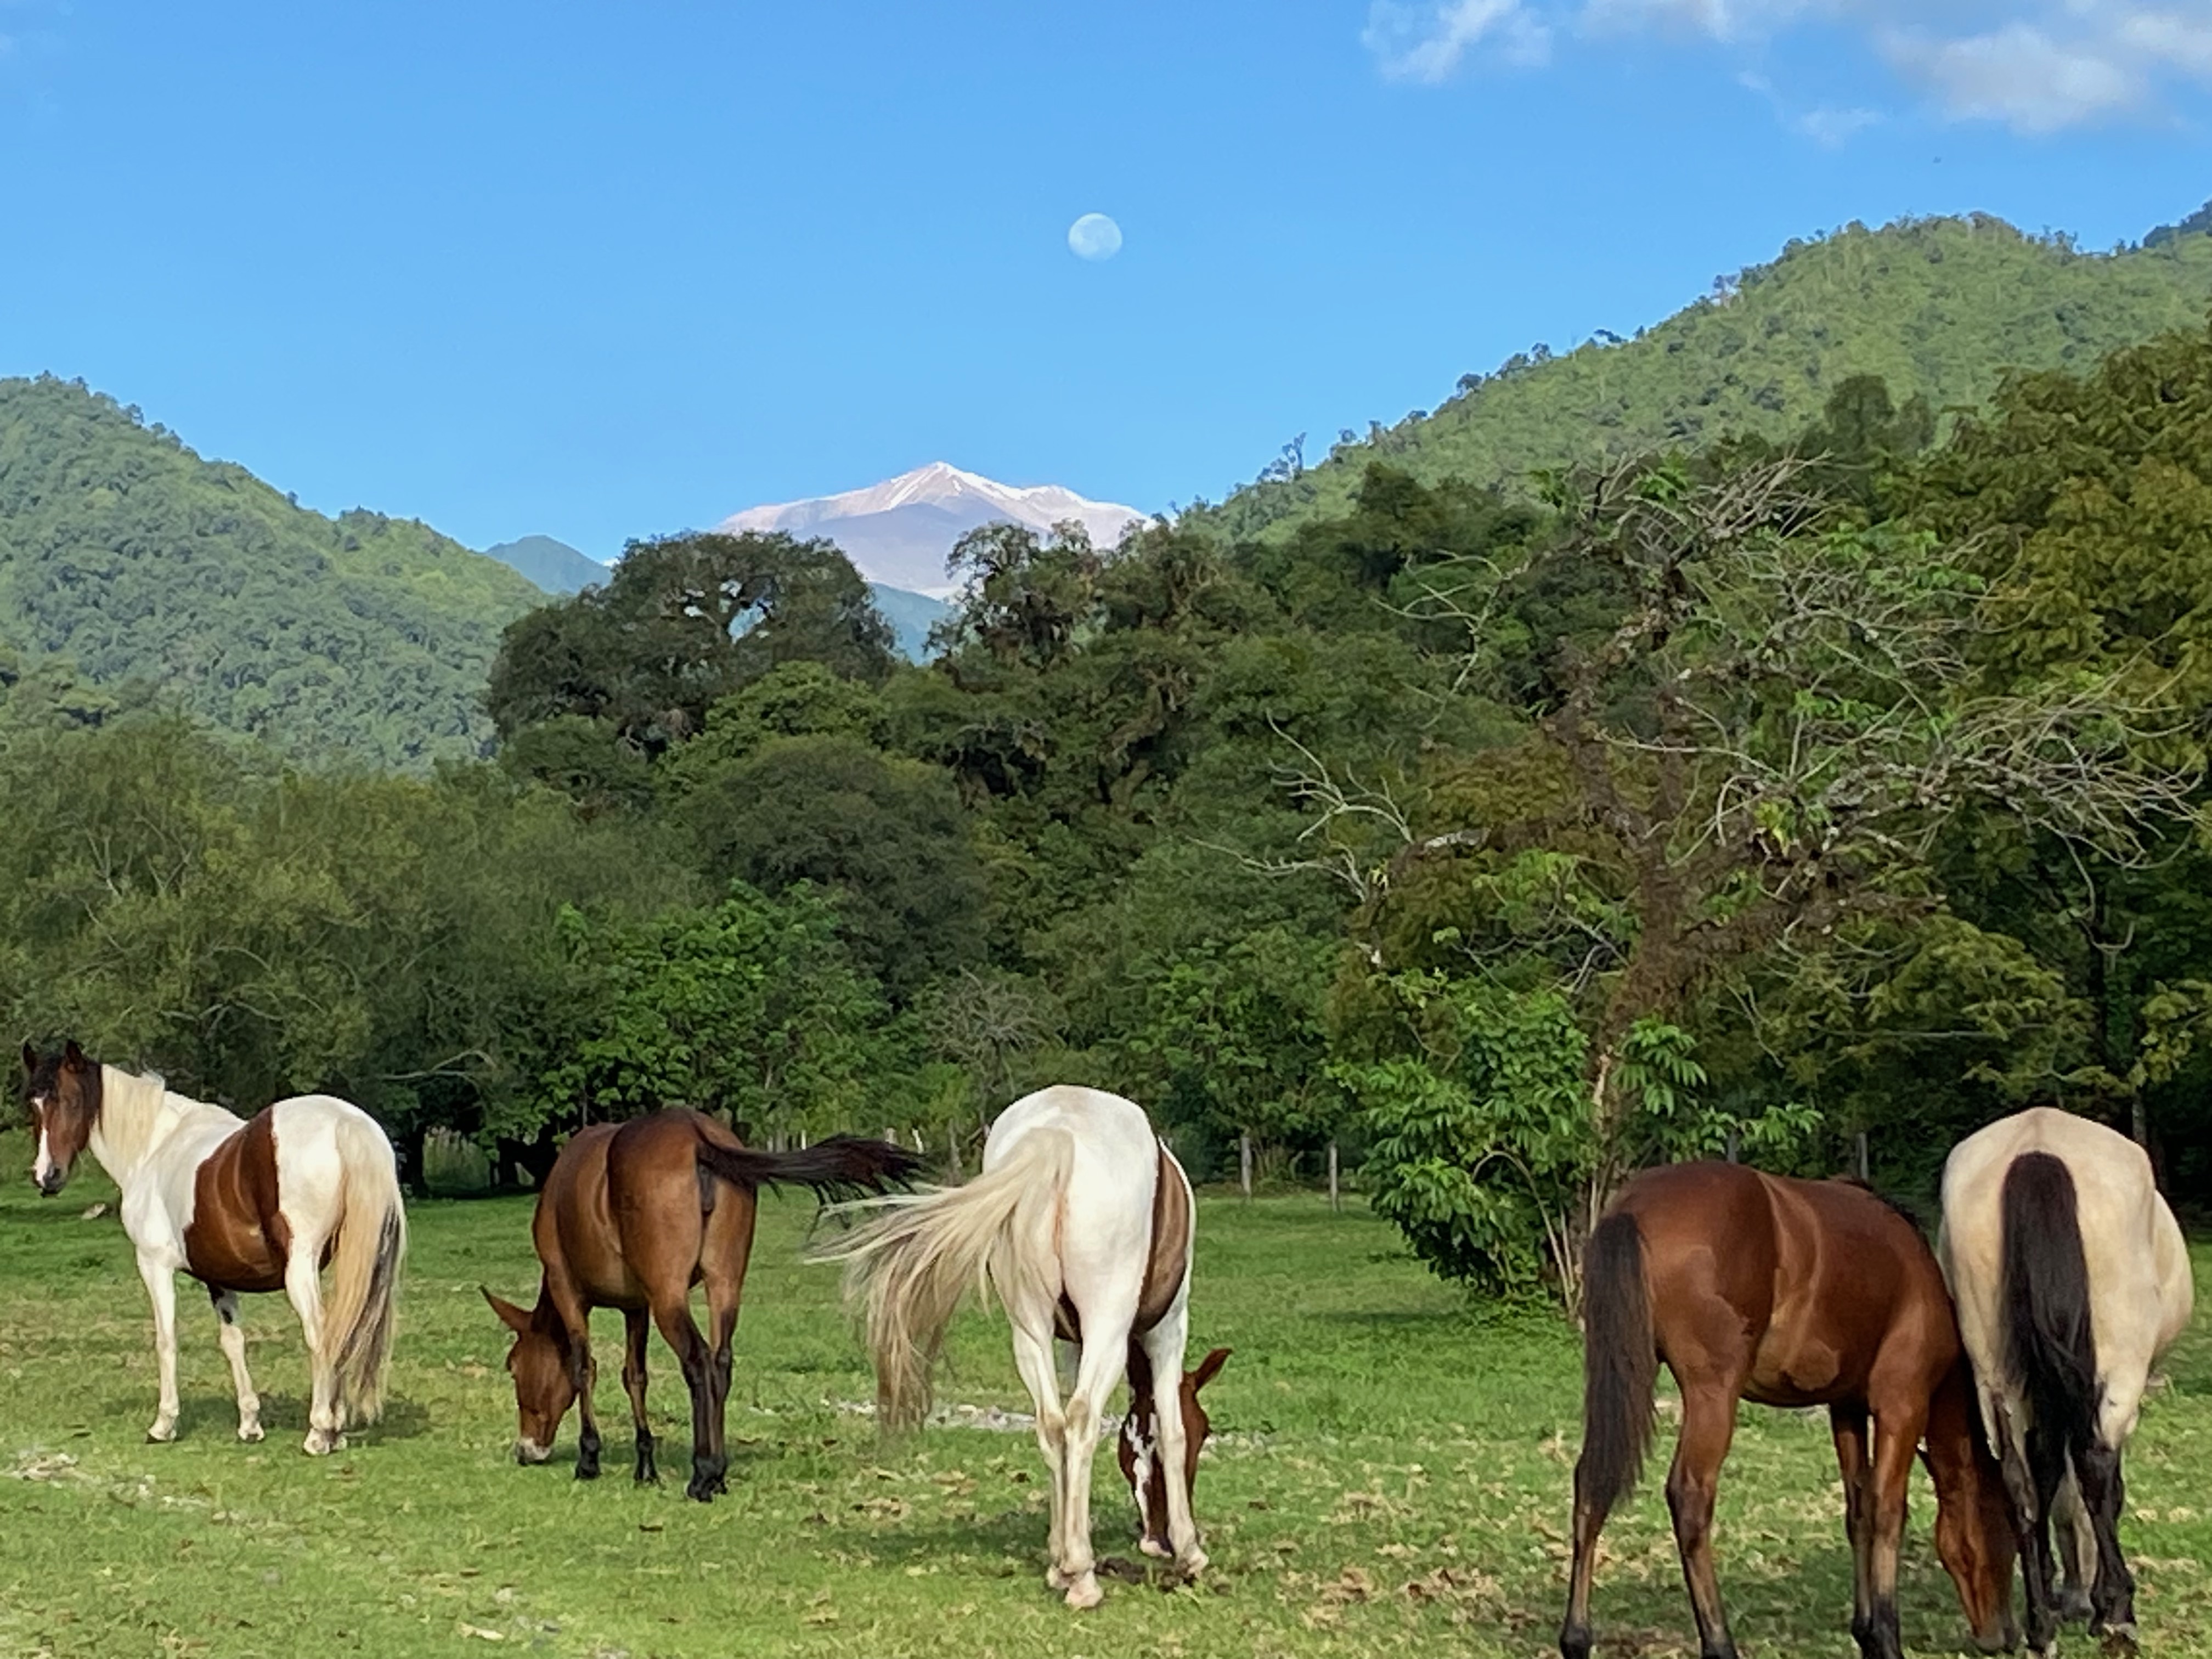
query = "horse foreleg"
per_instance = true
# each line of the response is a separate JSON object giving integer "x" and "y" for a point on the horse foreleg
{"x": 636, "y": 1329}
{"x": 1896, "y": 1438}
{"x": 1163, "y": 1347}
{"x": 1707, "y": 1426}
{"x": 681, "y": 1332}
{"x": 1033, "y": 1358}
{"x": 584, "y": 1377}
{"x": 233, "y": 1349}
{"x": 303, "y": 1288}
{"x": 160, "y": 1278}
{"x": 1847, "y": 1426}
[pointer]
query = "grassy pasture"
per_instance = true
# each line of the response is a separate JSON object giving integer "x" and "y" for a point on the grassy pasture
{"x": 1390, "y": 1476}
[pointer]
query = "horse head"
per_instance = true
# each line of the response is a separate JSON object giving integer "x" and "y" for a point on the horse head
{"x": 544, "y": 1382}
{"x": 1138, "y": 1448}
{"x": 62, "y": 1090}
{"x": 1975, "y": 1537}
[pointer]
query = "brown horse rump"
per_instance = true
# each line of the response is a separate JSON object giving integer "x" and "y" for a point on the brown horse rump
{"x": 1163, "y": 1267}
{"x": 238, "y": 1238}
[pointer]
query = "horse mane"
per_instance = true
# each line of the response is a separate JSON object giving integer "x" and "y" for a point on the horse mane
{"x": 129, "y": 1102}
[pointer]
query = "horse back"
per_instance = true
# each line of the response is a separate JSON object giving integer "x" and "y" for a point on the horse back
{"x": 1801, "y": 1292}
{"x": 238, "y": 1238}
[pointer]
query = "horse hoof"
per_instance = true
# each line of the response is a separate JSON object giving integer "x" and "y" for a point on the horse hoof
{"x": 321, "y": 1443}
{"x": 1153, "y": 1548}
{"x": 1054, "y": 1579}
{"x": 1193, "y": 1562}
{"x": 1085, "y": 1594}
{"x": 700, "y": 1491}
{"x": 162, "y": 1433}
{"x": 2074, "y": 1606}
{"x": 587, "y": 1471}
{"x": 251, "y": 1432}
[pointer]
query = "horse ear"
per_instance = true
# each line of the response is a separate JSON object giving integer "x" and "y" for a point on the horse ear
{"x": 1207, "y": 1367}
{"x": 512, "y": 1317}
{"x": 73, "y": 1057}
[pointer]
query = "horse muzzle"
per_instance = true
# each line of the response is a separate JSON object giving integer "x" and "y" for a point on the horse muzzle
{"x": 528, "y": 1452}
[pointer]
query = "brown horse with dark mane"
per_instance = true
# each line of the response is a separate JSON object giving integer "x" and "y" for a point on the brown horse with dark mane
{"x": 632, "y": 1216}
{"x": 1792, "y": 1293}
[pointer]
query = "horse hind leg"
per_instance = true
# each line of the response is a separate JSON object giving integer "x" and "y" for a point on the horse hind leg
{"x": 233, "y": 1338}
{"x": 1033, "y": 1359}
{"x": 635, "y": 1328}
{"x": 1692, "y": 1484}
{"x": 2076, "y": 1545}
{"x": 681, "y": 1332}
{"x": 1104, "y": 1357}
{"x": 1847, "y": 1425}
{"x": 2112, "y": 1591}
{"x": 303, "y": 1288}
{"x": 1897, "y": 1438}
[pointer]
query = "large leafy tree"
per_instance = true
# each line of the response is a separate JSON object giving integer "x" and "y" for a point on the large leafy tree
{"x": 684, "y": 622}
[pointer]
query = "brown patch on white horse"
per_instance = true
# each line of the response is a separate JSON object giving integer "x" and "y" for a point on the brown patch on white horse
{"x": 238, "y": 1238}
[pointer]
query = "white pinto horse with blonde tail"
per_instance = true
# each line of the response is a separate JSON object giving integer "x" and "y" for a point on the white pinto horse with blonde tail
{"x": 1081, "y": 1222}
{"x": 258, "y": 1205}
{"x": 2071, "y": 1278}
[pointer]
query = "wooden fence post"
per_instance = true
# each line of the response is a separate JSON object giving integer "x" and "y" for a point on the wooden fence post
{"x": 1333, "y": 1200}
{"x": 1244, "y": 1164}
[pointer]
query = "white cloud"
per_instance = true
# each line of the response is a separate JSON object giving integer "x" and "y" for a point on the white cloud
{"x": 1832, "y": 129}
{"x": 1723, "y": 19}
{"x": 1428, "y": 42}
{"x": 2036, "y": 66}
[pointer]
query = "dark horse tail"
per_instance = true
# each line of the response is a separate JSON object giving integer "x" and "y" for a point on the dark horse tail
{"x": 2050, "y": 1348}
{"x": 1620, "y": 1364}
{"x": 842, "y": 1167}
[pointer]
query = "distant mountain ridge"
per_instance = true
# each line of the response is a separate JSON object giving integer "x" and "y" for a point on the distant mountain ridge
{"x": 1941, "y": 308}
{"x": 548, "y": 563}
{"x": 361, "y": 636}
{"x": 898, "y": 531}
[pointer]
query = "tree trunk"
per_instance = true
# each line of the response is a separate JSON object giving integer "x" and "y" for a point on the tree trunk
{"x": 1865, "y": 1167}
{"x": 1333, "y": 1202}
{"x": 1244, "y": 1164}
{"x": 952, "y": 1146}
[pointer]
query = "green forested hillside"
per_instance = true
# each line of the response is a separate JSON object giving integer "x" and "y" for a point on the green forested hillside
{"x": 1937, "y": 308}
{"x": 124, "y": 550}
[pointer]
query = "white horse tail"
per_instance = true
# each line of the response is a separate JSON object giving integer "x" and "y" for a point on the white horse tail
{"x": 372, "y": 1242}
{"x": 2050, "y": 1347}
{"x": 910, "y": 1267}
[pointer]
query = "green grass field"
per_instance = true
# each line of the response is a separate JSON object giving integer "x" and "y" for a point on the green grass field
{"x": 1389, "y": 1475}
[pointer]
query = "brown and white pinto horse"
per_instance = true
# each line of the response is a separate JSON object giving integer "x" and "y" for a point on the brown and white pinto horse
{"x": 1080, "y": 1220}
{"x": 241, "y": 1204}
{"x": 2072, "y": 1278}
{"x": 632, "y": 1216}
{"x": 1793, "y": 1293}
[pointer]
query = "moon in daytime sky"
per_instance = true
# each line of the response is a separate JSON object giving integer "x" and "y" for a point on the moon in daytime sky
{"x": 1095, "y": 236}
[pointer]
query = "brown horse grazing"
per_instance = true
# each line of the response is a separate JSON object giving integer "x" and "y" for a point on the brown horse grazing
{"x": 1790, "y": 1293}
{"x": 632, "y": 1216}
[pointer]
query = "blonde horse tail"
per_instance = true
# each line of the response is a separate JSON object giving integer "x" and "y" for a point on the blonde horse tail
{"x": 358, "y": 1318}
{"x": 908, "y": 1268}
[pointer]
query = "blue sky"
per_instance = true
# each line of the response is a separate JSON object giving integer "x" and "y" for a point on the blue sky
{"x": 610, "y": 270}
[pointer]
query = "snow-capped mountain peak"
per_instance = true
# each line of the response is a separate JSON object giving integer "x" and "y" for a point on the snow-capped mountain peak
{"x": 900, "y": 530}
